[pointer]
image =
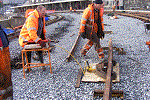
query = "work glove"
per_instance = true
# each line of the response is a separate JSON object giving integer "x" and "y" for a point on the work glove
{"x": 42, "y": 43}
{"x": 102, "y": 35}
{"x": 83, "y": 35}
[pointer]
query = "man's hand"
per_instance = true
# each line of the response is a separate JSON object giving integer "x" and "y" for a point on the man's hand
{"x": 102, "y": 35}
{"x": 83, "y": 35}
{"x": 42, "y": 43}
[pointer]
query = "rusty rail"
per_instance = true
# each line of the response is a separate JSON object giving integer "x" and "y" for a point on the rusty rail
{"x": 79, "y": 77}
{"x": 73, "y": 48}
{"x": 143, "y": 18}
{"x": 58, "y": 18}
{"x": 13, "y": 35}
{"x": 108, "y": 91}
{"x": 108, "y": 32}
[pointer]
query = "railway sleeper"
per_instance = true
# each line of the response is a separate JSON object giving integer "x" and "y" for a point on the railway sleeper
{"x": 115, "y": 93}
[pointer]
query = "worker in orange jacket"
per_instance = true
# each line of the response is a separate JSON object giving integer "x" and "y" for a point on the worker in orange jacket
{"x": 6, "y": 86}
{"x": 92, "y": 27}
{"x": 34, "y": 30}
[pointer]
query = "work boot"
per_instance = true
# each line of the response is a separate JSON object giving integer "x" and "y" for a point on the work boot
{"x": 27, "y": 71}
{"x": 43, "y": 68}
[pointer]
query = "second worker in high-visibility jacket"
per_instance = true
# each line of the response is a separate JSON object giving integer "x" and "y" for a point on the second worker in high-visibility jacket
{"x": 34, "y": 30}
{"x": 92, "y": 27}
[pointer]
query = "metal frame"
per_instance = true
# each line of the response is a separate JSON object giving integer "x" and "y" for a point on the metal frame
{"x": 37, "y": 64}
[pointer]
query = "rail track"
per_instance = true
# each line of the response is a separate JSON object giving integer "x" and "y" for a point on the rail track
{"x": 145, "y": 17}
{"x": 107, "y": 92}
{"x": 141, "y": 15}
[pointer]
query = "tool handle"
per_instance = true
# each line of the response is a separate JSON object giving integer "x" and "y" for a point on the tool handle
{"x": 33, "y": 41}
{"x": 87, "y": 63}
{"x": 28, "y": 42}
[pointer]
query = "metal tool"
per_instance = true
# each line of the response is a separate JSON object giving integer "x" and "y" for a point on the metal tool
{"x": 90, "y": 68}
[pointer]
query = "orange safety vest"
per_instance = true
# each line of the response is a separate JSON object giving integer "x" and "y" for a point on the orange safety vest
{"x": 70, "y": 8}
{"x": 88, "y": 20}
{"x": 30, "y": 28}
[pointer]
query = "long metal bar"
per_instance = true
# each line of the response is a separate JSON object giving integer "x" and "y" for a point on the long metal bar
{"x": 79, "y": 78}
{"x": 135, "y": 16}
{"x": 108, "y": 32}
{"x": 73, "y": 48}
{"x": 108, "y": 90}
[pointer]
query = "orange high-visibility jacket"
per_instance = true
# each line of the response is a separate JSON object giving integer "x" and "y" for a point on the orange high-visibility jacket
{"x": 70, "y": 8}
{"x": 88, "y": 19}
{"x": 30, "y": 28}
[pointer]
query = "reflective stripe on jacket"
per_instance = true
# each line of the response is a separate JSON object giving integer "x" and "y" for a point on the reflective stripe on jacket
{"x": 30, "y": 28}
{"x": 88, "y": 19}
{"x": 28, "y": 12}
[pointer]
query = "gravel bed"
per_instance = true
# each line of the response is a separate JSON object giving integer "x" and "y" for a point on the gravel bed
{"x": 128, "y": 33}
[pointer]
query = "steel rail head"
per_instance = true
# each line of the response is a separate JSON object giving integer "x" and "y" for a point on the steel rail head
{"x": 108, "y": 91}
{"x": 73, "y": 48}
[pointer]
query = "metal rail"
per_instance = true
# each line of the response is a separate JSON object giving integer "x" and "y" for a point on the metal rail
{"x": 79, "y": 77}
{"x": 58, "y": 18}
{"x": 138, "y": 16}
{"x": 108, "y": 91}
{"x": 73, "y": 48}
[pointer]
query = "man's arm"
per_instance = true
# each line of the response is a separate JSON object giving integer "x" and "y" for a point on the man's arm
{"x": 85, "y": 17}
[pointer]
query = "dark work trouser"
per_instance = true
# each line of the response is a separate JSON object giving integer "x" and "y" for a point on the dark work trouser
{"x": 39, "y": 54}
{"x": 97, "y": 46}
